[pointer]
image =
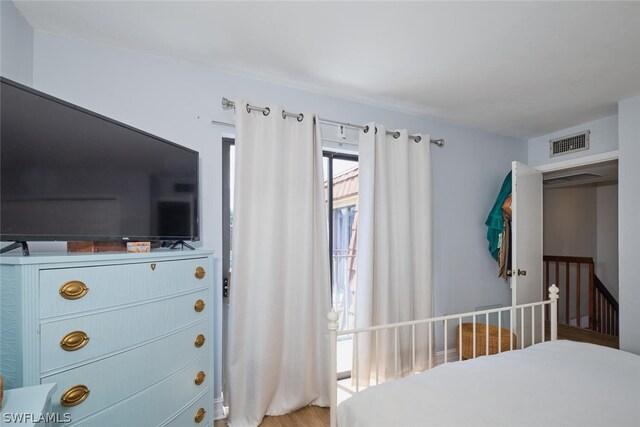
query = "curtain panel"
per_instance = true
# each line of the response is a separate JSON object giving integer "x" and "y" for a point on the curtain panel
{"x": 278, "y": 346}
{"x": 394, "y": 282}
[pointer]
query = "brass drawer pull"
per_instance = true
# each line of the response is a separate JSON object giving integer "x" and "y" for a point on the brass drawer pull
{"x": 199, "y": 273}
{"x": 200, "y": 376}
{"x": 74, "y": 341}
{"x": 199, "y": 341}
{"x": 199, "y": 306}
{"x": 199, "y": 415}
{"x": 74, "y": 289}
{"x": 75, "y": 395}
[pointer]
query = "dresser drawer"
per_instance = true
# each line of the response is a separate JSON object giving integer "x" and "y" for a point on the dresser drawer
{"x": 116, "y": 378}
{"x": 187, "y": 418}
{"x": 156, "y": 404}
{"x": 118, "y": 329}
{"x": 73, "y": 290}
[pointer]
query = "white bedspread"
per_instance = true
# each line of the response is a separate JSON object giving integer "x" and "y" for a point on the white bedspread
{"x": 558, "y": 383}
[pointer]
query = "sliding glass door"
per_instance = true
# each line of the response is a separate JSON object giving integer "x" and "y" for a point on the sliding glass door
{"x": 341, "y": 197}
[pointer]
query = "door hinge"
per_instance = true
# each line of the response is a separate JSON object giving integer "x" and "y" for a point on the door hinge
{"x": 225, "y": 286}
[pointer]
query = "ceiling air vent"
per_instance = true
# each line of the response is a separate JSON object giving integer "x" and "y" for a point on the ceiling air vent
{"x": 569, "y": 144}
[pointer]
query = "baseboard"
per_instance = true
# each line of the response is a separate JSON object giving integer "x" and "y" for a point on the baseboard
{"x": 452, "y": 356}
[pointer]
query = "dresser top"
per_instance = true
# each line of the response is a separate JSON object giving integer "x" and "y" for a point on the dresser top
{"x": 65, "y": 258}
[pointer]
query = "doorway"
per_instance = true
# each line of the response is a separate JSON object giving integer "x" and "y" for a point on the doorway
{"x": 580, "y": 244}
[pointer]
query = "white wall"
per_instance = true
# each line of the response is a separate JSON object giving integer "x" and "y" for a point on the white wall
{"x": 607, "y": 236}
{"x": 16, "y": 45}
{"x": 603, "y": 138}
{"x": 629, "y": 231}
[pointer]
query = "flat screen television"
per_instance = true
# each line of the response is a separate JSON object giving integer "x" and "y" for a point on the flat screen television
{"x": 69, "y": 174}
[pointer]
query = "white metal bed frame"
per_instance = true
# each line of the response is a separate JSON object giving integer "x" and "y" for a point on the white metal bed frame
{"x": 332, "y": 316}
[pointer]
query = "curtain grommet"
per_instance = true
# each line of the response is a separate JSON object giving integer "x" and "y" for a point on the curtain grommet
{"x": 300, "y": 117}
{"x": 396, "y": 135}
{"x": 248, "y": 109}
{"x": 376, "y": 130}
{"x": 366, "y": 129}
{"x": 266, "y": 113}
{"x": 418, "y": 138}
{"x": 283, "y": 116}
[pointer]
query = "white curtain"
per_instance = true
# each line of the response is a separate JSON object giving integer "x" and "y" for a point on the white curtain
{"x": 394, "y": 280}
{"x": 280, "y": 288}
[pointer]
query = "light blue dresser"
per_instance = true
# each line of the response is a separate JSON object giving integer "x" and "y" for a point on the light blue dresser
{"x": 126, "y": 337}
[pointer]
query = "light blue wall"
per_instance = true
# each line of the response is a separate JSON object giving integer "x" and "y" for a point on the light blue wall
{"x": 177, "y": 101}
{"x": 629, "y": 234}
{"x": 603, "y": 138}
{"x": 16, "y": 45}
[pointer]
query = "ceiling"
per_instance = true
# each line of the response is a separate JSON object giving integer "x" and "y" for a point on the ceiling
{"x": 521, "y": 69}
{"x": 593, "y": 174}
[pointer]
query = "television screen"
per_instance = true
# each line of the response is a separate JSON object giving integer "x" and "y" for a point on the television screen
{"x": 69, "y": 174}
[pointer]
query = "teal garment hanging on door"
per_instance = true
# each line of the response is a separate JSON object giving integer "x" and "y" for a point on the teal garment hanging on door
{"x": 495, "y": 222}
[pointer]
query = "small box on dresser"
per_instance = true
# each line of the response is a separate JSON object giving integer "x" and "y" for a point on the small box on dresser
{"x": 127, "y": 338}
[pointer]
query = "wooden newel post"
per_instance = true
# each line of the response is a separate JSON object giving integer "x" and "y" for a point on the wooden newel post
{"x": 332, "y": 316}
{"x": 553, "y": 296}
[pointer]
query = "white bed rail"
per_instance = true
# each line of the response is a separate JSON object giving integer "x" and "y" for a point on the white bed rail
{"x": 516, "y": 325}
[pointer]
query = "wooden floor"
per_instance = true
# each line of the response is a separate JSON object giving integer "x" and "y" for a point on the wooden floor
{"x": 310, "y": 416}
{"x": 571, "y": 333}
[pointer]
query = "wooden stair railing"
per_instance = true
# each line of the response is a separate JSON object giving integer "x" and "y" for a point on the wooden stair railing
{"x": 602, "y": 306}
{"x": 606, "y": 310}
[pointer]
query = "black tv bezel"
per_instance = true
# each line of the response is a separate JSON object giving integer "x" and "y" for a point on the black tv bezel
{"x": 88, "y": 238}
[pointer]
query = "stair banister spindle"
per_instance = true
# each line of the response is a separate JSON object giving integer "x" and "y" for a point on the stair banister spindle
{"x": 568, "y": 288}
{"x": 592, "y": 301}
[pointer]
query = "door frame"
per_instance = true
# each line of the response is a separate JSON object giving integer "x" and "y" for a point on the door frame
{"x": 578, "y": 161}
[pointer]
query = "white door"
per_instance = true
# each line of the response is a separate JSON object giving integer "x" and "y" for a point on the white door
{"x": 526, "y": 266}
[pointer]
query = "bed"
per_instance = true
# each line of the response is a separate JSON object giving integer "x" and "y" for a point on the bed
{"x": 550, "y": 383}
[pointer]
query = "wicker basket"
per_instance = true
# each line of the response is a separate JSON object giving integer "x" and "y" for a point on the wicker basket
{"x": 481, "y": 342}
